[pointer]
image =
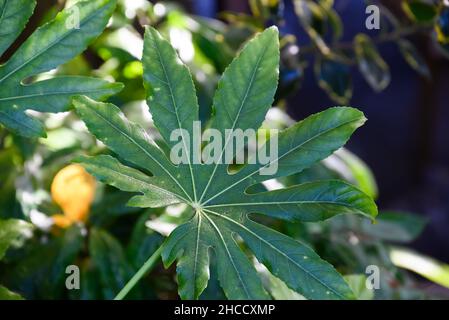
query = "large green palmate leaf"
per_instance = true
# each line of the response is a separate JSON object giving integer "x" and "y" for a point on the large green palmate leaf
{"x": 220, "y": 223}
{"x": 48, "y": 47}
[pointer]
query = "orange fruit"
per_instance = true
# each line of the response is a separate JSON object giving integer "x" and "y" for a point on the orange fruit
{"x": 73, "y": 189}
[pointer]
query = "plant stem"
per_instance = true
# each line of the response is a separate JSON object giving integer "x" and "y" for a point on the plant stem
{"x": 387, "y": 37}
{"x": 147, "y": 266}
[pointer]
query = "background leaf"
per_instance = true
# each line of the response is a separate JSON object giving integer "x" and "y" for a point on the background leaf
{"x": 425, "y": 266}
{"x": 10, "y": 231}
{"x": 110, "y": 260}
{"x": 49, "y": 46}
{"x": 414, "y": 58}
{"x": 373, "y": 68}
{"x": 335, "y": 78}
{"x": 40, "y": 271}
{"x": 14, "y": 15}
{"x": 5, "y": 294}
{"x": 395, "y": 226}
{"x": 419, "y": 10}
{"x": 357, "y": 282}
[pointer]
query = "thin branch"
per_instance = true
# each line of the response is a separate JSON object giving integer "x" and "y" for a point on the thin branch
{"x": 387, "y": 37}
{"x": 147, "y": 266}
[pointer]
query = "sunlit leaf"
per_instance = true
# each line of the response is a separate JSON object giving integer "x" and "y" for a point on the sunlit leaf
{"x": 357, "y": 282}
{"x": 354, "y": 170}
{"x": 343, "y": 164}
{"x": 427, "y": 267}
{"x": 5, "y": 294}
{"x": 275, "y": 286}
{"x": 219, "y": 205}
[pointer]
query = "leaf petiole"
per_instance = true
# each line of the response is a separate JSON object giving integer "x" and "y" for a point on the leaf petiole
{"x": 147, "y": 266}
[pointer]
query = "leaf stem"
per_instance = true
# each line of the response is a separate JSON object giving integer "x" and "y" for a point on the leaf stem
{"x": 386, "y": 37}
{"x": 147, "y": 266}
